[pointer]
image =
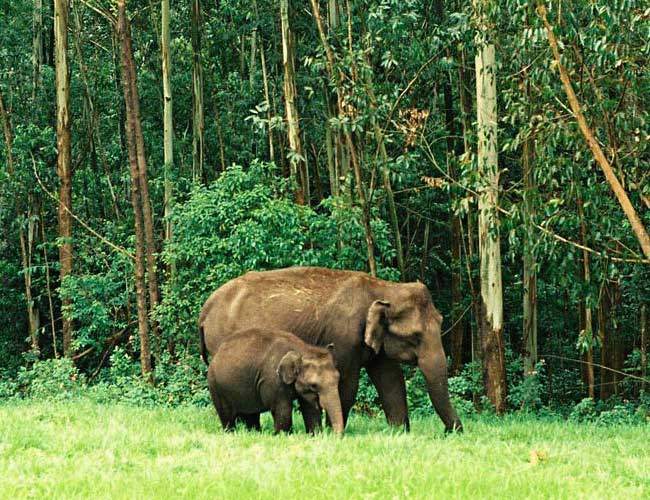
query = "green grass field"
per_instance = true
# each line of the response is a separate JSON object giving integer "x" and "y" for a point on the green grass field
{"x": 84, "y": 450}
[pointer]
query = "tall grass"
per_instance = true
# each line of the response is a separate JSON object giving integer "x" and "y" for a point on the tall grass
{"x": 80, "y": 449}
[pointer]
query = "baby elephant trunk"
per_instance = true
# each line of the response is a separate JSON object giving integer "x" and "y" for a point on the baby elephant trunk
{"x": 331, "y": 403}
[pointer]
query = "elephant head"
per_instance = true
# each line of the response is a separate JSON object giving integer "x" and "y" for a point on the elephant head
{"x": 316, "y": 380}
{"x": 404, "y": 322}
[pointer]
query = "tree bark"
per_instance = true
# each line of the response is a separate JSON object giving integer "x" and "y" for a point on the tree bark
{"x": 63, "y": 162}
{"x": 297, "y": 162}
{"x": 587, "y": 328}
{"x": 454, "y": 150}
{"x": 644, "y": 330}
{"x": 265, "y": 82}
{"x": 530, "y": 272}
{"x": 37, "y": 47}
{"x": 198, "y": 122}
{"x": 599, "y": 156}
{"x": 132, "y": 116}
{"x": 26, "y": 242}
{"x": 365, "y": 212}
{"x": 489, "y": 241}
{"x": 168, "y": 125}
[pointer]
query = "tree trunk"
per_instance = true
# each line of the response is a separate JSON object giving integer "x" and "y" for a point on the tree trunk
{"x": 168, "y": 127}
{"x": 124, "y": 34}
{"x": 297, "y": 161}
{"x": 365, "y": 211}
{"x": 605, "y": 348}
{"x": 586, "y": 327}
{"x": 63, "y": 163}
{"x": 454, "y": 150}
{"x": 37, "y": 47}
{"x": 644, "y": 331}
{"x": 530, "y": 272}
{"x": 265, "y": 82}
{"x": 489, "y": 241}
{"x": 198, "y": 124}
{"x": 33, "y": 321}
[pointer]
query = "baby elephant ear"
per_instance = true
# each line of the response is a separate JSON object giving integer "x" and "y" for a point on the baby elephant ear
{"x": 289, "y": 367}
{"x": 374, "y": 334}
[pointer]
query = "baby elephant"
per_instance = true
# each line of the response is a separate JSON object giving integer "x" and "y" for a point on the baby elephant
{"x": 255, "y": 370}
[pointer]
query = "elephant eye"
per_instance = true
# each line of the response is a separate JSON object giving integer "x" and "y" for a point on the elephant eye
{"x": 313, "y": 387}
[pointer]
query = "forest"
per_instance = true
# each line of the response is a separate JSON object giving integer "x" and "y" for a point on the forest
{"x": 497, "y": 152}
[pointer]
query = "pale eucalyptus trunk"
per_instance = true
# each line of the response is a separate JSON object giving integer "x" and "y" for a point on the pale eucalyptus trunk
{"x": 37, "y": 47}
{"x": 297, "y": 163}
{"x": 489, "y": 239}
{"x": 168, "y": 125}
{"x": 198, "y": 122}
{"x": 63, "y": 159}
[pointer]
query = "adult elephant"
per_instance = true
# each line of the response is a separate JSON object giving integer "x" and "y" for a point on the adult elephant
{"x": 371, "y": 322}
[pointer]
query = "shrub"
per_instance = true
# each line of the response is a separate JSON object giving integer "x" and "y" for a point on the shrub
{"x": 56, "y": 378}
{"x": 246, "y": 220}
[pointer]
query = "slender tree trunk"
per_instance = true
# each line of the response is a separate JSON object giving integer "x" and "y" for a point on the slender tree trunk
{"x": 25, "y": 255}
{"x": 606, "y": 338}
{"x": 489, "y": 240}
{"x": 599, "y": 156}
{"x": 124, "y": 34}
{"x": 48, "y": 286}
{"x": 454, "y": 149}
{"x": 612, "y": 345}
{"x": 644, "y": 341}
{"x": 198, "y": 124}
{"x": 168, "y": 125}
{"x": 587, "y": 327}
{"x": 147, "y": 212}
{"x": 365, "y": 211}
{"x": 530, "y": 272}
{"x": 37, "y": 47}
{"x": 64, "y": 170}
{"x": 297, "y": 162}
{"x": 265, "y": 82}
{"x": 390, "y": 198}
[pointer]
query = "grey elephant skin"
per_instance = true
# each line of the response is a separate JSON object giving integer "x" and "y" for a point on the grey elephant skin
{"x": 257, "y": 370}
{"x": 374, "y": 324}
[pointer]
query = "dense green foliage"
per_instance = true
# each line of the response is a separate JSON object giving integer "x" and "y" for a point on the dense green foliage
{"x": 406, "y": 67}
{"x": 51, "y": 450}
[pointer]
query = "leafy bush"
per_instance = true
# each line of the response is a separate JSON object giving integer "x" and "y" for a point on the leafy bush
{"x": 55, "y": 378}
{"x": 247, "y": 220}
{"x": 526, "y": 392}
{"x": 614, "y": 411}
{"x": 176, "y": 382}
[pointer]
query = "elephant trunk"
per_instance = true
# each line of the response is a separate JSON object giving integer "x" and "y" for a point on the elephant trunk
{"x": 331, "y": 403}
{"x": 434, "y": 369}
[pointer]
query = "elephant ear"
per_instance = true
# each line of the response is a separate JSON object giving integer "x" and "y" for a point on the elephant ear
{"x": 289, "y": 367}
{"x": 374, "y": 334}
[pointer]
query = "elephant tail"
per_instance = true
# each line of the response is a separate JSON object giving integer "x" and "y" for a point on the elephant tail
{"x": 202, "y": 349}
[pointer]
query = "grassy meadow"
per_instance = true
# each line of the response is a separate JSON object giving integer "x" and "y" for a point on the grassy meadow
{"x": 80, "y": 449}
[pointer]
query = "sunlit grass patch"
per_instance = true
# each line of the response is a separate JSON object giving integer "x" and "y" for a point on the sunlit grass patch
{"x": 78, "y": 449}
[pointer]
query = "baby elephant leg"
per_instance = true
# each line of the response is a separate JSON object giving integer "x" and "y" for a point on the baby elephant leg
{"x": 282, "y": 416}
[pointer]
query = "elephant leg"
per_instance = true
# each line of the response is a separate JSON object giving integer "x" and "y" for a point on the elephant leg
{"x": 386, "y": 375}
{"x": 348, "y": 386}
{"x": 251, "y": 421}
{"x": 312, "y": 417}
{"x": 226, "y": 415}
{"x": 282, "y": 416}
